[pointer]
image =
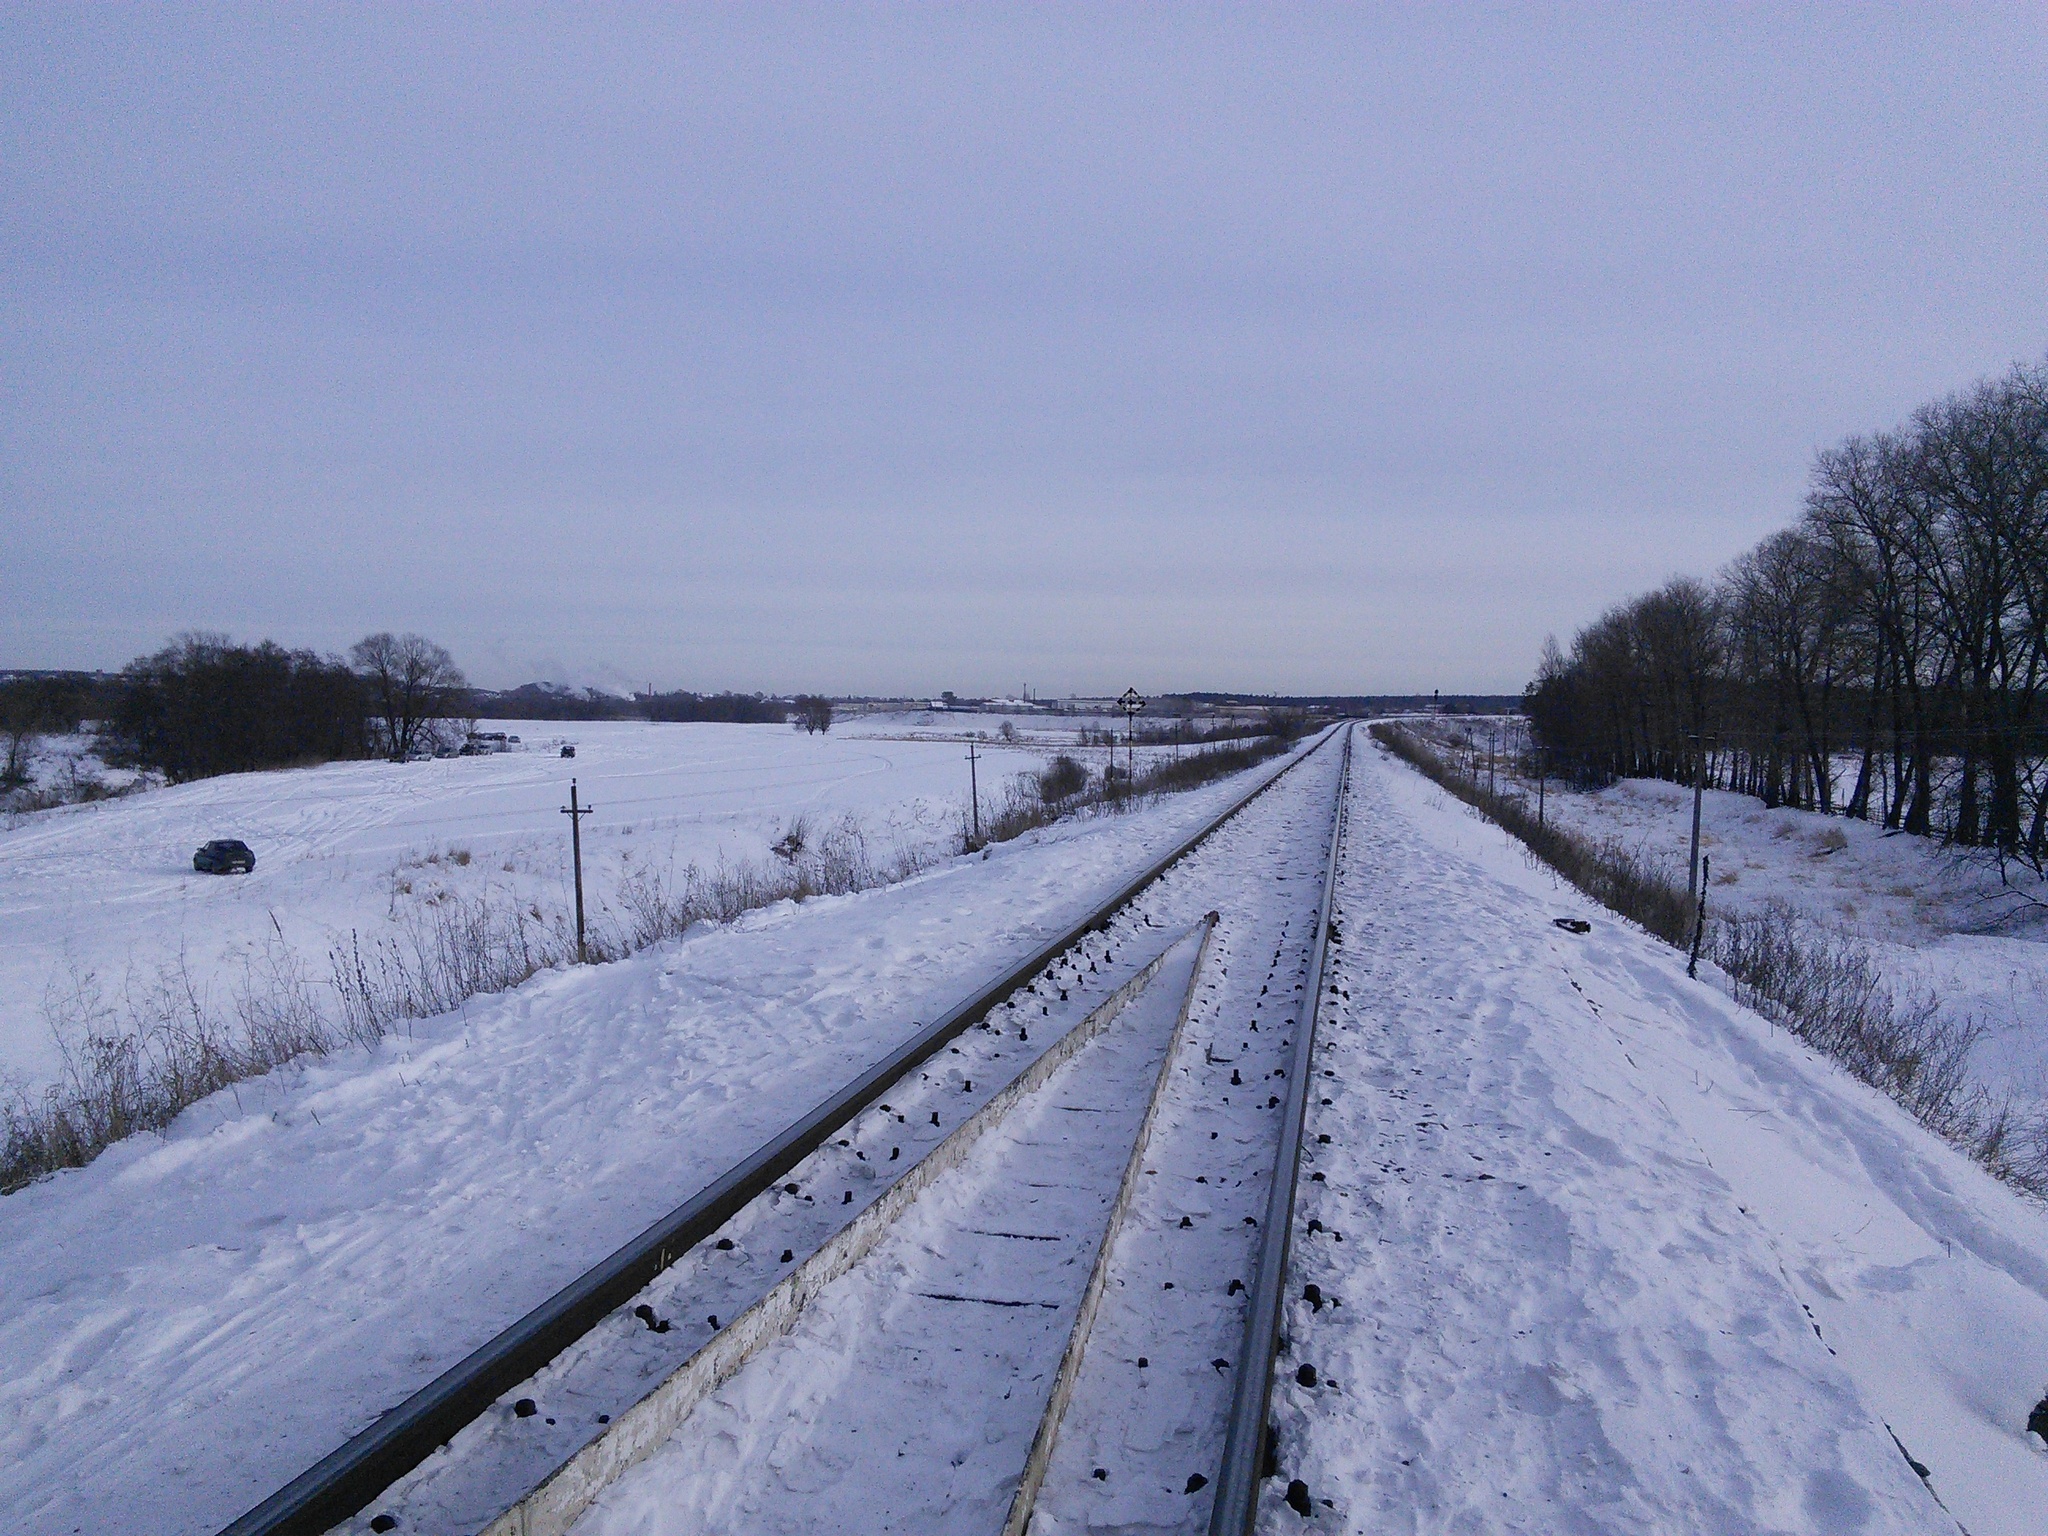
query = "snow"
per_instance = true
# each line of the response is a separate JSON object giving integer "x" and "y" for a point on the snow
{"x": 1618, "y": 1255}
{"x": 908, "y": 1394}
{"x": 65, "y": 764}
{"x": 1934, "y": 921}
{"x": 1600, "y": 1250}
{"x": 196, "y": 1318}
{"x": 108, "y": 889}
{"x": 885, "y": 1411}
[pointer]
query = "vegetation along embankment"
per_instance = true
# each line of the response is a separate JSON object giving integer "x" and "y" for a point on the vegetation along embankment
{"x": 1822, "y": 985}
{"x": 135, "y": 1062}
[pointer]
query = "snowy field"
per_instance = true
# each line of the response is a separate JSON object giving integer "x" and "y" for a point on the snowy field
{"x": 1934, "y": 921}
{"x": 107, "y": 889}
{"x": 196, "y": 1317}
{"x": 1597, "y": 1250}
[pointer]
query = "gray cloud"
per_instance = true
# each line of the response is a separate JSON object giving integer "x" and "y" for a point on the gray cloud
{"x": 913, "y": 348}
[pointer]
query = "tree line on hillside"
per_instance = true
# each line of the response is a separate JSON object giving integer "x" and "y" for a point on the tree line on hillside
{"x": 729, "y": 708}
{"x": 205, "y": 705}
{"x": 1883, "y": 658}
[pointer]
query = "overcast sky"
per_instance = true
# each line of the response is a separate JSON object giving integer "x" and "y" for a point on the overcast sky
{"x": 909, "y": 348}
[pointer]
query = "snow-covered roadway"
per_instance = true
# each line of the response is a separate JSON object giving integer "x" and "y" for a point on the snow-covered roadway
{"x": 1616, "y": 1256}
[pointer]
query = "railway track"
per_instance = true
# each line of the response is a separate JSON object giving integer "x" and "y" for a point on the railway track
{"x": 416, "y": 1439}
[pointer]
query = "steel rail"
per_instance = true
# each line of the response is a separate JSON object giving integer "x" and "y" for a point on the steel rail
{"x": 1236, "y": 1504}
{"x": 349, "y": 1477}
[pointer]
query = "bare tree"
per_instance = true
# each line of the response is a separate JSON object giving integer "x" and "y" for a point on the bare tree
{"x": 813, "y": 713}
{"x": 20, "y": 730}
{"x": 414, "y": 686}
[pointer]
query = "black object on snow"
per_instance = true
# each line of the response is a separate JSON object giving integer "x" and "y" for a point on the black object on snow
{"x": 1572, "y": 924}
{"x": 1297, "y": 1499}
{"x": 1306, "y": 1375}
{"x": 524, "y": 1408}
{"x": 1196, "y": 1483}
{"x": 224, "y": 856}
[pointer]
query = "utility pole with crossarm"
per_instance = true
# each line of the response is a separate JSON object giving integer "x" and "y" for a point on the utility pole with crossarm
{"x": 974, "y": 792}
{"x": 576, "y": 813}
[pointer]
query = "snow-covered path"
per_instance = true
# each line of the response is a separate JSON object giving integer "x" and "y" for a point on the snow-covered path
{"x": 1616, "y": 1257}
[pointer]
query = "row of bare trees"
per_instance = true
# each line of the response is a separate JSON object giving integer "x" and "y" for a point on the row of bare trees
{"x": 1883, "y": 658}
{"x": 205, "y": 705}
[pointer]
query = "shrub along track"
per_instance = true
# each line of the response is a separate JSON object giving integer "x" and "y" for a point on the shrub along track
{"x": 779, "y": 1187}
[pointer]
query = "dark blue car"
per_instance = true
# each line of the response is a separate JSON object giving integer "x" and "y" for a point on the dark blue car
{"x": 224, "y": 856}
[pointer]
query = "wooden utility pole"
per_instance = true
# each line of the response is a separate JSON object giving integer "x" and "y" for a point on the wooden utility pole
{"x": 974, "y": 791}
{"x": 1699, "y": 774}
{"x": 1699, "y": 926}
{"x": 576, "y": 813}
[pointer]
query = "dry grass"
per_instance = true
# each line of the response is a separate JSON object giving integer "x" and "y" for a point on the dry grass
{"x": 134, "y": 1063}
{"x": 1822, "y": 985}
{"x": 1064, "y": 787}
{"x": 1619, "y": 878}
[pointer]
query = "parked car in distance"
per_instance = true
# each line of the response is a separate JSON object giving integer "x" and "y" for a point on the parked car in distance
{"x": 568, "y": 749}
{"x": 224, "y": 856}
